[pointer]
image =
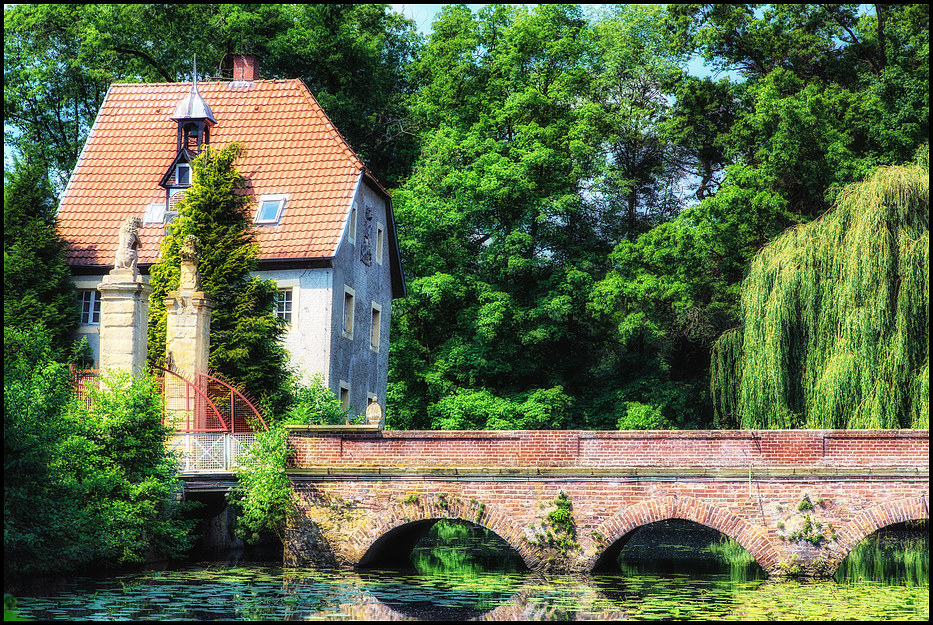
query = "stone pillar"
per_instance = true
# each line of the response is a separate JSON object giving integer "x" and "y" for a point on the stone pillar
{"x": 124, "y": 321}
{"x": 187, "y": 329}
{"x": 187, "y": 332}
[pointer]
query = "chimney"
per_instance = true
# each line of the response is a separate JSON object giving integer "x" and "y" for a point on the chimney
{"x": 245, "y": 68}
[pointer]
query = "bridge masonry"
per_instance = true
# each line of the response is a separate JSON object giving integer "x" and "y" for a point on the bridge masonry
{"x": 797, "y": 500}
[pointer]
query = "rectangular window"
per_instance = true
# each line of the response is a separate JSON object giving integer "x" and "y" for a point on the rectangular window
{"x": 351, "y": 227}
{"x": 344, "y": 395}
{"x": 348, "y": 297}
{"x": 376, "y": 327}
{"x": 155, "y": 214}
{"x": 183, "y": 174}
{"x": 89, "y": 301}
{"x": 270, "y": 209}
{"x": 283, "y": 304}
{"x": 380, "y": 237}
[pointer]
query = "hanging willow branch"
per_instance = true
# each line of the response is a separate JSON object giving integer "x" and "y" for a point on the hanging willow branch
{"x": 836, "y": 317}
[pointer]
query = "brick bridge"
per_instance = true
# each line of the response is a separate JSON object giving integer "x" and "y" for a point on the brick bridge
{"x": 797, "y": 500}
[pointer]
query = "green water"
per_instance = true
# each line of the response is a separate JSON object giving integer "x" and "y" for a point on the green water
{"x": 465, "y": 573}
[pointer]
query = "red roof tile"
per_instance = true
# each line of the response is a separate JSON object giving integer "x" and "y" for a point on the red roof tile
{"x": 291, "y": 148}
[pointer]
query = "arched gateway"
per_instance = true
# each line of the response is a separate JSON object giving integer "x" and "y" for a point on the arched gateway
{"x": 798, "y": 501}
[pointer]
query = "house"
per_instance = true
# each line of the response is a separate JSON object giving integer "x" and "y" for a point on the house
{"x": 325, "y": 228}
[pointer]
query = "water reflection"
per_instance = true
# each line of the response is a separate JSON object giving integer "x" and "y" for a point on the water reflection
{"x": 261, "y": 592}
{"x": 894, "y": 555}
{"x": 450, "y": 578}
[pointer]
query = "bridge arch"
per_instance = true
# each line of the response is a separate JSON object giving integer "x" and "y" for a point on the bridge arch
{"x": 399, "y": 528}
{"x": 752, "y": 538}
{"x": 867, "y": 522}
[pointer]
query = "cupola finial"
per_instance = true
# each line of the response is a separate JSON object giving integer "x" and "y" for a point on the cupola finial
{"x": 193, "y": 106}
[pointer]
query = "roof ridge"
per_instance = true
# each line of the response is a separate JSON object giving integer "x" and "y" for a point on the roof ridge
{"x": 331, "y": 125}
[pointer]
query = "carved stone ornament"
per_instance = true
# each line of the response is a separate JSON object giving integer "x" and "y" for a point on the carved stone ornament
{"x": 128, "y": 245}
{"x": 190, "y": 253}
{"x": 366, "y": 253}
{"x": 374, "y": 414}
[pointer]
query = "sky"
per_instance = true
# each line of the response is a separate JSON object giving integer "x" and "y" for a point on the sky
{"x": 423, "y": 14}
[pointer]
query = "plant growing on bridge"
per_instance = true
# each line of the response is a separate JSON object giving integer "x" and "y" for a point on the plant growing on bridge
{"x": 410, "y": 498}
{"x": 803, "y": 525}
{"x": 559, "y": 529}
{"x": 263, "y": 493}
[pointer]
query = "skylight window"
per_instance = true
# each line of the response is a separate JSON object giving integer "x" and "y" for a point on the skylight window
{"x": 270, "y": 209}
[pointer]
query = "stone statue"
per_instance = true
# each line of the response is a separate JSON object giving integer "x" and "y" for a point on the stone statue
{"x": 128, "y": 245}
{"x": 190, "y": 253}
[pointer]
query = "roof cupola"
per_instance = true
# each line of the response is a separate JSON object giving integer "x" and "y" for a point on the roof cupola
{"x": 194, "y": 118}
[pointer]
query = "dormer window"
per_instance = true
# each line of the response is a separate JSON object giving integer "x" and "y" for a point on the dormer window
{"x": 183, "y": 174}
{"x": 270, "y": 209}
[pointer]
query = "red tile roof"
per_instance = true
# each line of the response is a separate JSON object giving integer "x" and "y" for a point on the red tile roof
{"x": 291, "y": 148}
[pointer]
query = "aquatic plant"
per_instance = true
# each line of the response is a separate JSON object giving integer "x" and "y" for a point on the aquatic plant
{"x": 835, "y": 317}
{"x": 889, "y": 559}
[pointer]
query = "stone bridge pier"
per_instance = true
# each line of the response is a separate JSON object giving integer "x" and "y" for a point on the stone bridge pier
{"x": 567, "y": 501}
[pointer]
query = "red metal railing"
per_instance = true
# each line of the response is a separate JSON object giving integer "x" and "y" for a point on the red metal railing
{"x": 187, "y": 407}
{"x": 244, "y": 417}
{"x": 208, "y": 405}
{"x": 81, "y": 380}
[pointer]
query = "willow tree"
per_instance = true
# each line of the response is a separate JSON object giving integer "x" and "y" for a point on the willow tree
{"x": 836, "y": 317}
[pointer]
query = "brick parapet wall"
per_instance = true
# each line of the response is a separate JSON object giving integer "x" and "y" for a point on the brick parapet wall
{"x": 498, "y": 451}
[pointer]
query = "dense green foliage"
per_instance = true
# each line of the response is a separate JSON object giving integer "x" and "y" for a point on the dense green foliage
{"x": 37, "y": 285}
{"x": 82, "y": 483}
{"x": 264, "y": 493}
{"x": 577, "y": 204}
{"x": 315, "y": 404}
{"x": 245, "y": 342}
{"x": 836, "y": 317}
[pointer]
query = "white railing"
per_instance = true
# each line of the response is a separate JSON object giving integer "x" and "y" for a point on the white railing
{"x": 209, "y": 452}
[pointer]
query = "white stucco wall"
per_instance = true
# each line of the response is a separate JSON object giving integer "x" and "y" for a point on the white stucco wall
{"x": 308, "y": 338}
{"x": 315, "y": 337}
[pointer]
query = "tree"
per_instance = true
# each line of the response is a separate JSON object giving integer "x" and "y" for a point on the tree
{"x": 836, "y": 317}
{"x": 41, "y": 522}
{"x": 246, "y": 337}
{"x": 498, "y": 243}
{"x": 37, "y": 287}
{"x": 811, "y": 111}
{"x": 82, "y": 483}
{"x": 639, "y": 172}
